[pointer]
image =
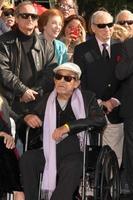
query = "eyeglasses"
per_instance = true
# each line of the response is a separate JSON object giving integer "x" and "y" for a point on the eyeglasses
{"x": 109, "y": 25}
{"x": 129, "y": 22}
{"x": 66, "y": 78}
{"x": 27, "y": 15}
{"x": 8, "y": 13}
{"x": 65, "y": 6}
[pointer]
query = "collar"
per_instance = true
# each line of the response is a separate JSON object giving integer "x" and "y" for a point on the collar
{"x": 108, "y": 42}
{"x": 100, "y": 42}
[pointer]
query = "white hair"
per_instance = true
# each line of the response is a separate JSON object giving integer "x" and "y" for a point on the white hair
{"x": 128, "y": 12}
{"x": 100, "y": 13}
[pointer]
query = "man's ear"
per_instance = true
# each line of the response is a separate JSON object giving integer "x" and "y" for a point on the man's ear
{"x": 77, "y": 83}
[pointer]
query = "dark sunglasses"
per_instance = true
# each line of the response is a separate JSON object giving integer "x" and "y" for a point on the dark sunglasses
{"x": 109, "y": 25}
{"x": 8, "y": 13}
{"x": 129, "y": 22}
{"x": 27, "y": 15}
{"x": 66, "y": 78}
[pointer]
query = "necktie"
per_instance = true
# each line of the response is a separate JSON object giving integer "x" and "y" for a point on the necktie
{"x": 105, "y": 53}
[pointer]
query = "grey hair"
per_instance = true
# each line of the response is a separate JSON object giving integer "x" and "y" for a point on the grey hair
{"x": 24, "y": 3}
{"x": 123, "y": 12}
{"x": 99, "y": 13}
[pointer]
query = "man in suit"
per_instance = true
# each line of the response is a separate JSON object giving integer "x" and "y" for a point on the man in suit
{"x": 97, "y": 58}
{"x": 124, "y": 72}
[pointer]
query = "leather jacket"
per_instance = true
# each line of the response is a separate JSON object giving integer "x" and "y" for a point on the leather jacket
{"x": 10, "y": 61}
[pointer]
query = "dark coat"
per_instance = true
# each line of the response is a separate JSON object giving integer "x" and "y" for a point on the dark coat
{"x": 124, "y": 72}
{"x": 98, "y": 75}
{"x": 9, "y": 169}
{"x": 10, "y": 61}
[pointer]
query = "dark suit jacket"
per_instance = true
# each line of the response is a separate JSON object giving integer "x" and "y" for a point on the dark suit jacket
{"x": 124, "y": 72}
{"x": 98, "y": 75}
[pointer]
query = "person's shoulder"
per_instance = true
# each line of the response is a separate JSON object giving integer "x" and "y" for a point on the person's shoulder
{"x": 8, "y": 37}
{"x": 88, "y": 94}
{"x": 128, "y": 41}
{"x": 59, "y": 44}
{"x": 128, "y": 47}
{"x": 85, "y": 45}
{"x": 116, "y": 42}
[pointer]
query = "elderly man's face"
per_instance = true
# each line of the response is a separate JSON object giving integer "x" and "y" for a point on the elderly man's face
{"x": 67, "y": 7}
{"x": 103, "y": 27}
{"x": 27, "y": 19}
{"x": 65, "y": 82}
{"x": 126, "y": 20}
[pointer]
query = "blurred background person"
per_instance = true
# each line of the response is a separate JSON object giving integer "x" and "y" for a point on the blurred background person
{"x": 50, "y": 24}
{"x": 7, "y": 20}
{"x": 120, "y": 33}
{"x": 73, "y": 33}
{"x": 125, "y": 19}
{"x": 67, "y": 7}
{"x": 9, "y": 168}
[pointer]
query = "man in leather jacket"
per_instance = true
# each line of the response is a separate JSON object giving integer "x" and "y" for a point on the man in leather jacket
{"x": 26, "y": 60}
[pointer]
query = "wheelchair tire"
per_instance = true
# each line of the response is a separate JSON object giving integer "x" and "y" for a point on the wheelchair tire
{"x": 106, "y": 183}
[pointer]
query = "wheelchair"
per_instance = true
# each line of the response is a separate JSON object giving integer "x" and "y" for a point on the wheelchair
{"x": 100, "y": 179}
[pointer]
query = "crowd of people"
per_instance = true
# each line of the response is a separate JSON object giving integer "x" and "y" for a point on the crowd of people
{"x": 58, "y": 78}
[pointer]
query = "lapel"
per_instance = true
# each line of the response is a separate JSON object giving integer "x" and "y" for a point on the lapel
{"x": 92, "y": 49}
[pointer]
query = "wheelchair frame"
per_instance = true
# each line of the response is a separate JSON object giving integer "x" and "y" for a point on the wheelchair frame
{"x": 103, "y": 181}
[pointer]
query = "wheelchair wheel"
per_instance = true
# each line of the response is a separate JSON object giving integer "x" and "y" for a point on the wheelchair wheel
{"x": 107, "y": 185}
{"x": 110, "y": 186}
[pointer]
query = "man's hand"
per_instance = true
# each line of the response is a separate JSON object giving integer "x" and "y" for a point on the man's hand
{"x": 110, "y": 104}
{"x": 29, "y": 95}
{"x": 8, "y": 140}
{"x": 33, "y": 121}
{"x": 59, "y": 132}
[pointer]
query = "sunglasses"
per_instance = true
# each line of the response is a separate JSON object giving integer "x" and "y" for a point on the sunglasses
{"x": 66, "y": 78}
{"x": 27, "y": 15}
{"x": 129, "y": 22}
{"x": 65, "y": 6}
{"x": 109, "y": 25}
{"x": 7, "y": 13}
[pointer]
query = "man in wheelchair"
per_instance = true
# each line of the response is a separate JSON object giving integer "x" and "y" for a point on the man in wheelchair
{"x": 68, "y": 112}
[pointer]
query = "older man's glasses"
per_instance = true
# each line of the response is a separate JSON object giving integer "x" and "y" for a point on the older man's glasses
{"x": 65, "y": 6}
{"x": 109, "y": 25}
{"x": 129, "y": 22}
{"x": 66, "y": 78}
{"x": 27, "y": 15}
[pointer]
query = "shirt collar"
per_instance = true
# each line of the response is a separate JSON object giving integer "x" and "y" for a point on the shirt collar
{"x": 100, "y": 43}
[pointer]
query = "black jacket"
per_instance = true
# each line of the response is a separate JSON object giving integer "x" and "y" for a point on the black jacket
{"x": 10, "y": 61}
{"x": 124, "y": 72}
{"x": 98, "y": 75}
